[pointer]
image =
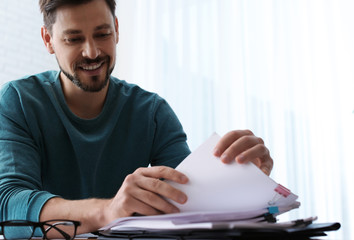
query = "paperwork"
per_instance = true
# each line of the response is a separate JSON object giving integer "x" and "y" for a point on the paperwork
{"x": 191, "y": 220}
{"x": 215, "y": 186}
{"x": 219, "y": 196}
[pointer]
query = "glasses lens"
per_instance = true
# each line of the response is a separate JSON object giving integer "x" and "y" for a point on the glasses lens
{"x": 13, "y": 231}
{"x": 59, "y": 229}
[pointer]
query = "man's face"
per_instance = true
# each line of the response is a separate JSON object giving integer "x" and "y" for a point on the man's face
{"x": 84, "y": 39}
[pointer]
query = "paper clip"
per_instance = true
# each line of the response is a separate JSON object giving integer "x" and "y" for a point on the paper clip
{"x": 273, "y": 210}
{"x": 280, "y": 191}
{"x": 268, "y": 217}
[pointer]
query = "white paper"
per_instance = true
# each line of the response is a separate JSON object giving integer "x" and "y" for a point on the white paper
{"x": 193, "y": 221}
{"x": 182, "y": 220}
{"x": 168, "y": 225}
{"x": 215, "y": 186}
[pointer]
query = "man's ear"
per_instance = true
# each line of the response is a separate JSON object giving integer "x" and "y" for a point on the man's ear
{"x": 116, "y": 26}
{"x": 47, "y": 39}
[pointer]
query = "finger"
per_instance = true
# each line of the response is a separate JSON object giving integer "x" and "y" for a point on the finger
{"x": 241, "y": 145}
{"x": 267, "y": 165}
{"x": 259, "y": 155}
{"x": 257, "y": 151}
{"x": 266, "y": 170}
{"x": 163, "y": 189}
{"x": 163, "y": 172}
{"x": 140, "y": 208}
{"x": 229, "y": 139}
{"x": 131, "y": 198}
{"x": 153, "y": 204}
{"x": 126, "y": 203}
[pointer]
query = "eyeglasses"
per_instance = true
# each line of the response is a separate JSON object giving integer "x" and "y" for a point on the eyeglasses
{"x": 22, "y": 229}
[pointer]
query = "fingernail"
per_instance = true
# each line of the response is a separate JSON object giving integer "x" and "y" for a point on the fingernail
{"x": 216, "y": 152}
{"x": 225, "y": 158}
{"x": 182, "y": 199}
{"x": 184, "y": 179}
{"x": 240, "y": 158}
{"x": 265, "y": 170}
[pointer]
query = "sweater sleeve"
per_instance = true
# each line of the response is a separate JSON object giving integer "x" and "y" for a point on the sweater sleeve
{"x": 20, "y": 164}
{"x": 170, "y": 146}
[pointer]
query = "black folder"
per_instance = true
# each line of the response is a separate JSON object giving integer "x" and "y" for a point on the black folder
{"x": 294, "y": 232}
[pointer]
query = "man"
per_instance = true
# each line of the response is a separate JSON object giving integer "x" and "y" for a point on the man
{"x": 76, "y": 144}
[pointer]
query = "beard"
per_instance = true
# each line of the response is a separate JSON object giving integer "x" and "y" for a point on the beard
{"x": 96, "y": 85}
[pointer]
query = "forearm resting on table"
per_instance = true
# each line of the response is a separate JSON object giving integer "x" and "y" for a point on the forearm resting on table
{"x": 90, "y": 212}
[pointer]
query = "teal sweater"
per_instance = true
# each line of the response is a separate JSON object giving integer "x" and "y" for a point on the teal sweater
{"x": 47, "y": 151}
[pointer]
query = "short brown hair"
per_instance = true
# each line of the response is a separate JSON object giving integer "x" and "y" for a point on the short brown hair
{"x": 49, "y": 7}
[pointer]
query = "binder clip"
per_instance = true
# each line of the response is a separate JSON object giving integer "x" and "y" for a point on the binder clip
{"x": 280, "y": 191}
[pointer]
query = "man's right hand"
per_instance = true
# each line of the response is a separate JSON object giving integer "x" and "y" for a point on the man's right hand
{"x": 143, "y": 192}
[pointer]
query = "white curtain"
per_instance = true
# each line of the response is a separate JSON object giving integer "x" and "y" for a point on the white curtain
{"x": 283, "y": 69}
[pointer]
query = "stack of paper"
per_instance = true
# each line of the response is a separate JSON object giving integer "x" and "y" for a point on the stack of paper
{"x": 219, "y": 196}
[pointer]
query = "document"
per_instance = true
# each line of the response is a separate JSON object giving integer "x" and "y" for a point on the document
{"x": 191, "y": 220}
{"x": 166, "y": 222}
{"x": 215, "y": 186}
{"x": 219, "y": 196}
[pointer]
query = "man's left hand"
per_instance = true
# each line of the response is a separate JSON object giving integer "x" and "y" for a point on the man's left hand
{"x": 243, "y": 146}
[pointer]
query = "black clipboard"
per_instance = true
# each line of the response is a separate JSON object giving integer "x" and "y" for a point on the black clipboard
{"x": 295, "y": 232}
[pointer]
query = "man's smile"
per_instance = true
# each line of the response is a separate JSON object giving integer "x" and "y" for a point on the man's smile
{"x": 91, "y": 67}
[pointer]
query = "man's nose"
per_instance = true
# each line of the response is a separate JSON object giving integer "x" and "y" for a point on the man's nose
{"x": 90, "y": 50}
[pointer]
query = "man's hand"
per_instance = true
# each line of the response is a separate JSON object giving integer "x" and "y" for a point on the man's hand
{"x": 143, "y": 192}
{"x": 243, "y": 146}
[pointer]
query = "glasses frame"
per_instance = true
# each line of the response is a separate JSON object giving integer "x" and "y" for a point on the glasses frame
{"x": 44, "y": 226}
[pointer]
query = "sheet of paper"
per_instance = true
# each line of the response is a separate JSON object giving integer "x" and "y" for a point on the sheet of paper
{"x": 166, "y": 222}
{"x": 215, "y": 186}
{"x": 182, "y": 219}
{"x": 169, "y": 225}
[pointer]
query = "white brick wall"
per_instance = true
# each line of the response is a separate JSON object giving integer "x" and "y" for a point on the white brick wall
{"x": 22, "y": 51}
